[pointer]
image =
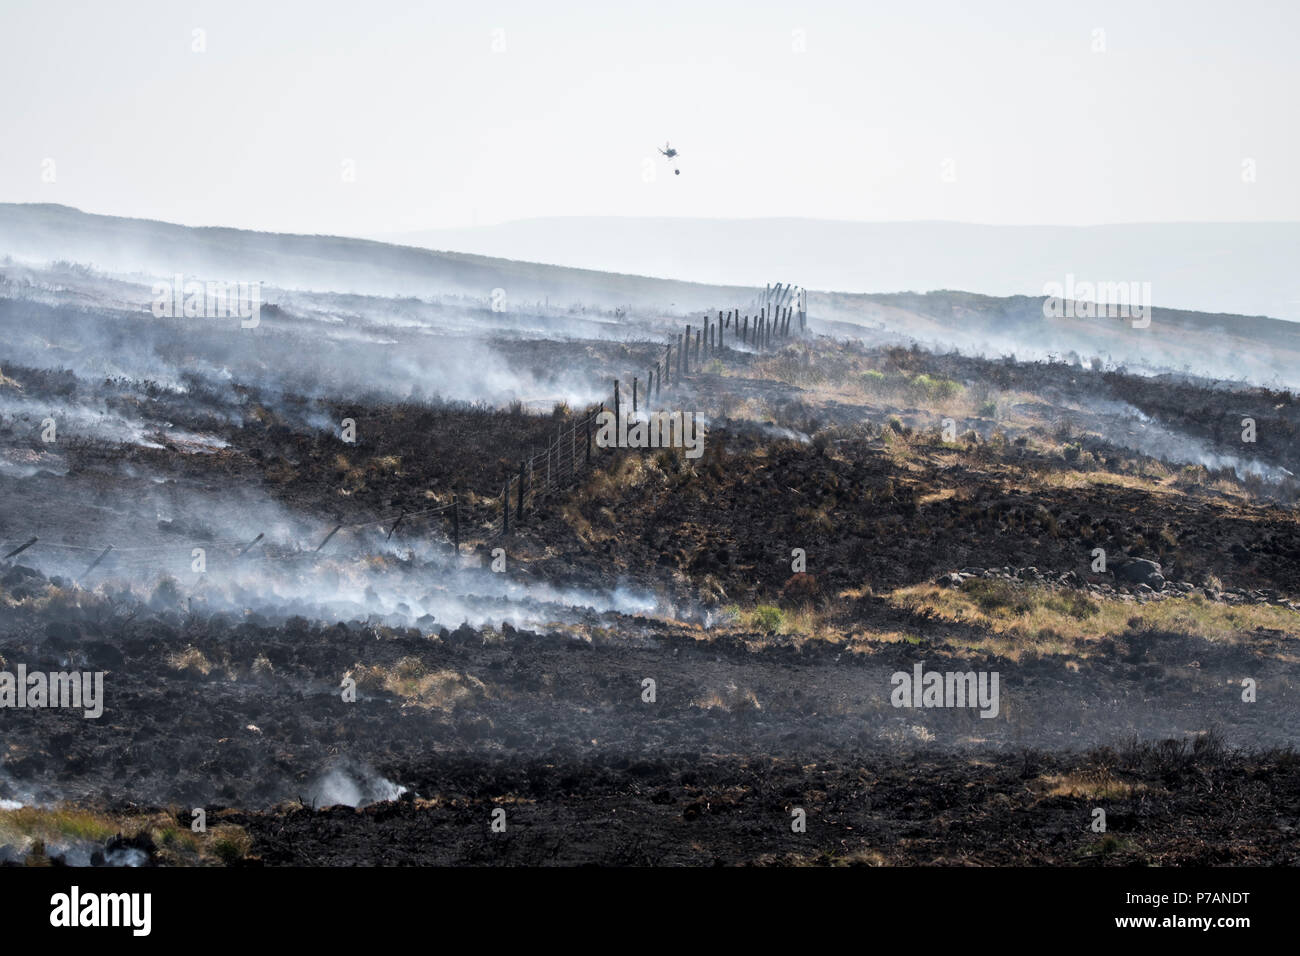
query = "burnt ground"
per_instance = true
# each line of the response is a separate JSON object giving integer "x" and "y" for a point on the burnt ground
{"x": 863, "y": 809}
{"x": 555, "y": 730}
{"x": 229, "y": 697}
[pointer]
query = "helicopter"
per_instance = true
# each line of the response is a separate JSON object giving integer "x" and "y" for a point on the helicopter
{"x": 671, "y": 154}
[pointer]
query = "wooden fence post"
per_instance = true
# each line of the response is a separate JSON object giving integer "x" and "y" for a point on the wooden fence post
{"x": 328, "y": 536}
{"x": 520, "y": 512}
{"x": 634, "y": 394}
{"x": 505, "y": 508}
{"x": 455, "y": 522}
{"x": 20, "y": 549}
{"x": 103, "y": 554}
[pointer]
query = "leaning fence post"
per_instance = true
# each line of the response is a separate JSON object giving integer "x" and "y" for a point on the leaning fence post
{"x": 505, "y": 508}
{"x": 455, "y": 522}
{"x": 20, "y": 549}
{"x": 617, "y": 414}
{"x": 102, "y": 555}
{"x": 520, "y": 513}
{"x": 241, "y": 553}
{"x": 328, "y": 536}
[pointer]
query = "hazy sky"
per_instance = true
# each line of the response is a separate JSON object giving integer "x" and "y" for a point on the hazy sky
{"x": 996, "y": 112}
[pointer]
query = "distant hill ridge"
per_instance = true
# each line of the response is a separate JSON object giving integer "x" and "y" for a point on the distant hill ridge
{"x": 1213, "y": 343}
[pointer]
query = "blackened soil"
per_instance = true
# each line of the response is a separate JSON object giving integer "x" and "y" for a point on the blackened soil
{"x": 1172, "y": 805}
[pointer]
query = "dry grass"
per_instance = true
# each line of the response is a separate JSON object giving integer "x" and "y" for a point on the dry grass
{"x": 60, "y": 825}
{"x": 410, "y": 679}
{"x": 1090, "y": 785}
{"x": 1069, "y": 480}
{"x": 732, "y": 699}
{"x": 1019, "y": 617}
{"x": 804, "y": 622}
{"x": 863, "y": 856}
{"x": 191, "y": 659}
{"x": 41, "y": 832}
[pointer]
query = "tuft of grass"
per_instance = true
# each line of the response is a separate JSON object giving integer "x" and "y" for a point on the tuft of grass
{"x": 768, "y": 618}
{"x": 934, "y": 388}
{"x": 230, "y": 844}
{"x": 732, "y": 699}
{"x": 191, "y": 659}
{"x": 411, "y": 679}
{"x": 1089, "y": 785}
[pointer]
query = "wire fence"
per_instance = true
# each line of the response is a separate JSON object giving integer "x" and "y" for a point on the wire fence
{"x": 557, "y": 466}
